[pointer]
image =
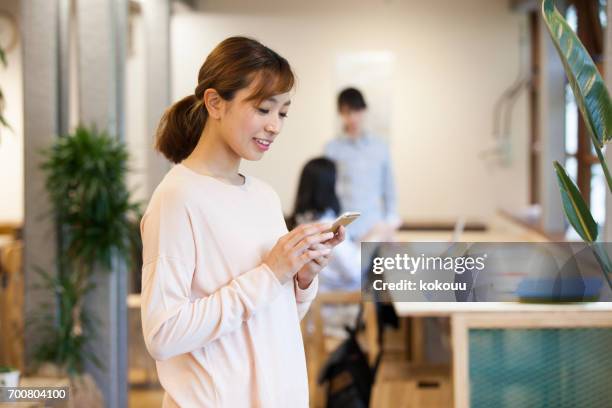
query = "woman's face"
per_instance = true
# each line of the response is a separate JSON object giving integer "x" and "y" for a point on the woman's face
{"x": 249, "y": 128}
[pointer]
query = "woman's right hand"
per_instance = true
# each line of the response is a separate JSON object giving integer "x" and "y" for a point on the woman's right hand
{"x": 293, "y": 250}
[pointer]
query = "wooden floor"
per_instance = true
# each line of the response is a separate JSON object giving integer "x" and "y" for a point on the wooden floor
{"x": 401, "y": 395}
{"x": 145, "y": 398}
{"x": 425, "y": 387}
{"x": 416, "y": 394}
{"x": 422, "y": 386}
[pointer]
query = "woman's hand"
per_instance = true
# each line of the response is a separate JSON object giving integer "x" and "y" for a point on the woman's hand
{"x": 297, "y": 248}
{"x": 307, "y": 273}
{"x": 339, "y": 236}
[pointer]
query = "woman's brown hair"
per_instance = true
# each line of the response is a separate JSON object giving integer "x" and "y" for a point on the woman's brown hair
{"x": 233, "y": 65}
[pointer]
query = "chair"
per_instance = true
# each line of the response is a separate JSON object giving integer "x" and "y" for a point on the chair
{"x": 317, "y": 345}
{"x": 11, "y": 305}
{"x": 398, "y": 382}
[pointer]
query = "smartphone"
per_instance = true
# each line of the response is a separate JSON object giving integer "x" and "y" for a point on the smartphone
{"x": 345, "y": 219}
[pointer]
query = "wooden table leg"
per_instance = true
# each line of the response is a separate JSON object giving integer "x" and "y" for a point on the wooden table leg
{"x": 461, "y": 381}
{"x": 417, "y": 352}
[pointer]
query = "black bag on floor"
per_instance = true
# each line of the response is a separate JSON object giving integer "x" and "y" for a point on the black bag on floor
{"x": 348, "y": 374}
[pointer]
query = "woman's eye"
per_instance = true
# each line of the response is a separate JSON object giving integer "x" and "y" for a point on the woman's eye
{"x": 265, "y": 111}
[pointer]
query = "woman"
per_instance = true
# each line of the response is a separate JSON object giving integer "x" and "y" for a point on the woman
{"x": 224, "y": 286}
{"x": 317, "y": 201}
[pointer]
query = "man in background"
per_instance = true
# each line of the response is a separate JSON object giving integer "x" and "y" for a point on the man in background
{"x": 365, "y": 178}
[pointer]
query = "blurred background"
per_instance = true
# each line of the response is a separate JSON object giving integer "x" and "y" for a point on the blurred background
{"x": 469, "y": 95}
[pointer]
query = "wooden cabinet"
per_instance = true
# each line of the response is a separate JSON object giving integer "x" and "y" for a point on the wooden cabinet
{"x": 11, "y": 303}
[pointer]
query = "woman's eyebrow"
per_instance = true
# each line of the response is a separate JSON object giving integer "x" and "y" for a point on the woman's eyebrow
{"x": 273, "y": 99}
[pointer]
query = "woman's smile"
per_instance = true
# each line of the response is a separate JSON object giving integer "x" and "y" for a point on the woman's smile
{"x": 262, "y": 144}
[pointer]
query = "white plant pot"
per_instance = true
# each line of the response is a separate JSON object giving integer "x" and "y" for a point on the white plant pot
{"x": 10, "y": 379}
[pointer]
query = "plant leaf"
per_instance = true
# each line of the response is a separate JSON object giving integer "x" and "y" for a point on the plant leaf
{"x": 574, "y": 206}
{"x": 589, "y": 89}
{"x": 4, "y": 123}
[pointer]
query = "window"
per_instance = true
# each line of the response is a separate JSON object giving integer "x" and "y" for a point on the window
{"x": 588, "y": 19}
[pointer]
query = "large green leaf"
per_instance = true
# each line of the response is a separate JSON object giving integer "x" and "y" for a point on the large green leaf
{"x": 589, "y": 88}
{"x": 575, "y": 208}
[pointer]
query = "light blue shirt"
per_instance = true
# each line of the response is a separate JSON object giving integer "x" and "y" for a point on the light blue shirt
{"x": 364, "y": 180}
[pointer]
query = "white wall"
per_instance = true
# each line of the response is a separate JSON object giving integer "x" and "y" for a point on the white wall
{"x": 137, "y": 142}
{"x": 11, "y": 142}
{"x": 452, "y": 60}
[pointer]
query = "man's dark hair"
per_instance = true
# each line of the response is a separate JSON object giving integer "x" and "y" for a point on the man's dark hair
{"x": 351, "y": 98}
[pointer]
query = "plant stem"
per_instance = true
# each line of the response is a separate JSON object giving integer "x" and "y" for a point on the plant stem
{"x": 603, "y": 260}
{"x": 604, "y": 166}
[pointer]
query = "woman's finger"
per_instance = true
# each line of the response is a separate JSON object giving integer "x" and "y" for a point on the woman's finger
{"x": 320, "y": 245}
{"x": 304, "y": 231}
{"x": 311, "y": 254}
{"x": 322, "y": 261}
{"x": 338, "y": 237}
{"x": 313, "y": 241}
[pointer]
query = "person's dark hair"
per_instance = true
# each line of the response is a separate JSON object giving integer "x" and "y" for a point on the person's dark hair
{"x": 233, "y": 65}
{"x": 317, "y": 188}
{"x": 351, "y": 98}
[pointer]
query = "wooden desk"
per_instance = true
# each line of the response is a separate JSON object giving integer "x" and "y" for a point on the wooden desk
{"x": 469, "y": 318}
{"x": 499, "y": 315}
{"x": 11, "y": 303}
{"x": 449, "y": 309}
{"x": 500, "y": 228}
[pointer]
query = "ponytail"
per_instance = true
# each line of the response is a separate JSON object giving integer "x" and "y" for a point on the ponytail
{"x": 180, "y": 128}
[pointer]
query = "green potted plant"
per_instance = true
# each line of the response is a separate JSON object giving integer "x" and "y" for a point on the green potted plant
{"x": 9, "y": 376}
{"x": 593, "y": 102}
{"x": 86, "y": 182}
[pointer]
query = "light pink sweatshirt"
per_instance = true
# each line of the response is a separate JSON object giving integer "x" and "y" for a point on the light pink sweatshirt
{"x": 224, "y": 331}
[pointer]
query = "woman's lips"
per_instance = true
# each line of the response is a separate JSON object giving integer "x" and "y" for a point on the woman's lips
{"x": 262, "y": 144}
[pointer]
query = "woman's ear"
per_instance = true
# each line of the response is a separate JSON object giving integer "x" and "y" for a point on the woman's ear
{"x": 214, "y": 103}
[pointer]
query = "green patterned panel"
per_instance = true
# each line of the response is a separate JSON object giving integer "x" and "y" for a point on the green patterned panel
{"x": 535, "y": 368}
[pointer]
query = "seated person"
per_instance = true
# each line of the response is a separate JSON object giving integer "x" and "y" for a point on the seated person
{"x": 316, "y": 201}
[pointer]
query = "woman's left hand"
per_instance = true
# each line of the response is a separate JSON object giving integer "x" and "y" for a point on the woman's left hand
{"x": 306, "y": 275}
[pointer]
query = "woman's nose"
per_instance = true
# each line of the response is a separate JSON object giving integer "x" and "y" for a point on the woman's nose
{"x": 273, "y": 126}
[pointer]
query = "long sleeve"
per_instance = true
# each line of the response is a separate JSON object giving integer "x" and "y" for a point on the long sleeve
{"x": 304, "y": 297}
{"x": 174, "y": 322}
